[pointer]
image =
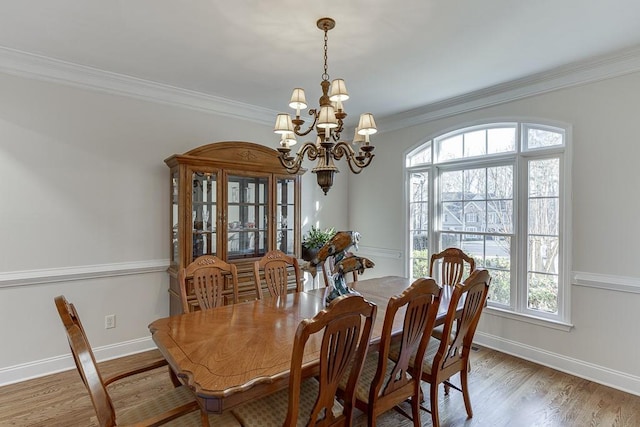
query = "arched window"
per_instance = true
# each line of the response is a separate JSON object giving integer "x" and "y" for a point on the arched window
{"x": 497, "y": 191}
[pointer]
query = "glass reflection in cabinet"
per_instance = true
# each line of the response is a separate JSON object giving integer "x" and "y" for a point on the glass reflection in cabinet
{"x": 204, "y": 214}
{"x": 285, "y": 206}
{"x": 174, "y": 217}
{"x": 247, "y": 216}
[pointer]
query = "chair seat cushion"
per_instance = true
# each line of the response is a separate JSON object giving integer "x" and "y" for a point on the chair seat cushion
{"x": 432, "y": 349}
{"x": 366, "y": 377}
{"x": 166, "y": 401}
{"x": 271, "y": 410}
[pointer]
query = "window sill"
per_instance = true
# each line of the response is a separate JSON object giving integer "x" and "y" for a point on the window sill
{"x": 547, "y": 323}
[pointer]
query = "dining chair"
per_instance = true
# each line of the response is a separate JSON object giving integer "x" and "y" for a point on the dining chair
{"x": 207, "y": 274}
{"x": 385, "y": 383}
{"x": 452, "y": 269}
{"x": 452, "y": 266}
{"x": 450, "y": 355}
{"x": 339, "y": 335}
{"x": 275, "y": 267}
{"x": 176, "y": 406}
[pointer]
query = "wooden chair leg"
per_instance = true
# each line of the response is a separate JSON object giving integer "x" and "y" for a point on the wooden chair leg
{"x": 371, "y": 416}
{"x": 415, "y": 406}
{"x": 465, "y": 392}
{"x": 433, "y": 395}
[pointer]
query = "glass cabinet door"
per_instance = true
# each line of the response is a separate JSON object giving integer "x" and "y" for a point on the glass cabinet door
{"x": 175, "y": 250}
{"x": 247, "y": 215}
{"x": 203, "y": 214}
{"x": 285, "y": 215}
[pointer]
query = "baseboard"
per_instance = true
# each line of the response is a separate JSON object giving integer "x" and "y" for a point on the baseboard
{"x": 608, "y": 377}
{"x": 52, "y": 365}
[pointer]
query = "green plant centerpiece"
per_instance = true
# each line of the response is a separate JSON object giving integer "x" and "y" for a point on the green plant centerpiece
{"x": 313, "y": 240}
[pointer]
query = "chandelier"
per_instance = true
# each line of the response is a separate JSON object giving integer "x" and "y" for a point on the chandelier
{"x": 328, "y": 123}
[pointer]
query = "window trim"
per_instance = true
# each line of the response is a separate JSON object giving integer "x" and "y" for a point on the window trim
{"x": 519, "y": 159}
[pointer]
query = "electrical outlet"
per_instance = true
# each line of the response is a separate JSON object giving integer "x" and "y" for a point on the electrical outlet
{"x": 110, "y": 321}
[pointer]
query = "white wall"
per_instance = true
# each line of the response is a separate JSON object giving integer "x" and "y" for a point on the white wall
{"x": 605, "y": 239}
{"x": 84, "y": 201}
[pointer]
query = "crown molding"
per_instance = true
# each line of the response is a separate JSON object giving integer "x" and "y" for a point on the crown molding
{"x": 602, "y": 67}
{"x": 24, "y": 64}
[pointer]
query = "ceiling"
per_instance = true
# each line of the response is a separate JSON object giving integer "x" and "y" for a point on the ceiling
{"x": 395, "y": 56}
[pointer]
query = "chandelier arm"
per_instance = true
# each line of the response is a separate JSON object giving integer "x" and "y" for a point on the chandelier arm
{"x": 293, "y": 164}
{"x": 335, "y": 133}
{"x": 356, "y": 165}
{"x": 312, "y": 112}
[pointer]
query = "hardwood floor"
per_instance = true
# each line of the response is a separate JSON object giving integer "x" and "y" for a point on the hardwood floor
{"x": 505, "y": 391}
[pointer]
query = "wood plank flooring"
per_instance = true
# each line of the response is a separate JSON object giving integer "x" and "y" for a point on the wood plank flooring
{"x": 505, "y": 391}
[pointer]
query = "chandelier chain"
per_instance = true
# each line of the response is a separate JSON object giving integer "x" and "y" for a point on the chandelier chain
{"x": 325, "y": 75}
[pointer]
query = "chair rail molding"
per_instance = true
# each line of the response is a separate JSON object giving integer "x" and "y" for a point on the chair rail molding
{"x": 65, "y": 274}
{"x": 606, "y": 281}
{"x": 379, "y": 252}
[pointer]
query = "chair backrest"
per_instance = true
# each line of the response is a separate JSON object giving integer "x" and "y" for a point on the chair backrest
{"x": 453, "y": 354}
{"x": 86, "y": 363}
{"x": 421, "y": 301}
{"x": 208, "y": 274}
{"x": 451, "y": 265}
{"x": 346, "y": 325}
{"x": 275, "y": 266}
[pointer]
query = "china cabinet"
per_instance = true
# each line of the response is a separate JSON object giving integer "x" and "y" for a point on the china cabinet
{"x": 233, "y": 200}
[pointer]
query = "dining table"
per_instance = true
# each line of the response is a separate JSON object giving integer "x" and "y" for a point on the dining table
{"x": 232, "y": 354}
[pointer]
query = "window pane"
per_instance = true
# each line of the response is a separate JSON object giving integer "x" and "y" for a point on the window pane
{"x": 420, "y": 157}
{"x": 451, "y": 185}
{"x": 448, "y": 240}
{"x": 539, "y": 138}
{"x": 419, "y": 187}
{"x": 450, "y": 148}
{"x": 542, "y": 294}
{"x": 475, "y": 143}
{"x": 543, "y": 254}
{"x": 494, "y": 254}
{"x": 501, "y": 140}
{"x": 452, "y": 216}
{"x": 544, "y": 177}
{"x": 475, "y": 184}
{"x": 420, "y": 266}
{"x": 500, "y": 182}
{"x": 543, "y": 216}
{"x": 500, "y": 216}
{"x": 500, "y": 288}
{"x": 475, "y": 216}
{"x": 419, "y": 216}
